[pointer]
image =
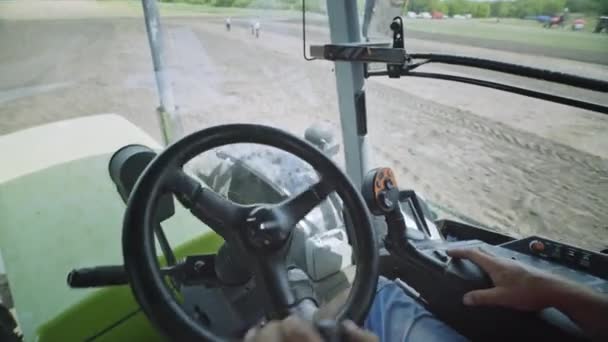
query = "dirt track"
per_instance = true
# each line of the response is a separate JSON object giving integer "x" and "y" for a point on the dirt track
{"x": 513, "y": 163}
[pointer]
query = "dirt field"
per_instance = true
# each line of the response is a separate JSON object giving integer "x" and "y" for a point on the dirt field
{"x": 516, "y": 164}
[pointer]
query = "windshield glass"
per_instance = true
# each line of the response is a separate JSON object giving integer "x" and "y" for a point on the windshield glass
{"x": 79, "y": 79}
{"x": 513, "y": 164}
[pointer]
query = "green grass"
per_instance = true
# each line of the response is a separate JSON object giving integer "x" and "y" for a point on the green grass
{"x": 515, "y": 30}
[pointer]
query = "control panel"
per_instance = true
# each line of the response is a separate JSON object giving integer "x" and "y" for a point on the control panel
{"x": 576, "y": 264}
{"x": 572, "y": 257}
{"x": 382, "y": 196}
{"x": 442, "y": 280}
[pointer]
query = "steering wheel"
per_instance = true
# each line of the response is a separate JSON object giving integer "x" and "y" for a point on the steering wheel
{"x": 261, "y": 232}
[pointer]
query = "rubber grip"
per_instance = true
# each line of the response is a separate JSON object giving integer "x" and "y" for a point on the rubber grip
{"x": 97, "y": 277}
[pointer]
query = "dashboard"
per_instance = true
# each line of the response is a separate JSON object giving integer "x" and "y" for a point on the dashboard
{"x": 577, "y": 264}
{"x": 570, "y": 262}
{"x": 442, "y": 280}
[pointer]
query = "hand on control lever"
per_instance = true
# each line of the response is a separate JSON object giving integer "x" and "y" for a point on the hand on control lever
{"x": 515, "y": 286}
{"x": 298, "y": 330}
{"x": 529, "y": 289}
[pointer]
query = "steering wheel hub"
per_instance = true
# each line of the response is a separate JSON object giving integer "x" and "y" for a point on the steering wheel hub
{"x": 265, "y": 230}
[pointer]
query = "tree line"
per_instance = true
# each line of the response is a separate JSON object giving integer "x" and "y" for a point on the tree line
{"x": 514, "y": 9}
{"x": 479, "y": 9}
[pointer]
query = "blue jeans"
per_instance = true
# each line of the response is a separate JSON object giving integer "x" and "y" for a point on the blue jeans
{"x": 395, "y": 316}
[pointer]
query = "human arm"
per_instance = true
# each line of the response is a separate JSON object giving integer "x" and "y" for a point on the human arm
{"x": 523, "y": 288}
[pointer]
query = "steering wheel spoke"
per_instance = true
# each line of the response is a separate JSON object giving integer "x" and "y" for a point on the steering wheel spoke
{"x": 297, "y": 207}
{"x": 219, "y": 213}
{"x": 271, "y": 275}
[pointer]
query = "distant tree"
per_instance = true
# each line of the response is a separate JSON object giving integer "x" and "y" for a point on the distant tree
{"x": 419, "y": 6}
{"x": 524, "y": 8}
{"x": 601, "y": 6}
{"x": 223, "y": 3}
{"x": 438, "y": 6}
{"x": 458, "y": 6}
{"x": 580, "y": 5}
{"x": 500, "y": 9}
{"x": 553, "y": 6}
{"x": 481, "y": 10}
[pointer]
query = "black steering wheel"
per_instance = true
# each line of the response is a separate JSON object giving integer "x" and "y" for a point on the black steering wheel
{"x": 261, "y": 232}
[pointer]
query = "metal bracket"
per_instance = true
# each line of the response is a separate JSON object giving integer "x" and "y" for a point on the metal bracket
{"x": 198, "y": 270}
{"x": 394, "y": 70}
{"x": 395, "y": 57}
{"x": 360, "y": 52}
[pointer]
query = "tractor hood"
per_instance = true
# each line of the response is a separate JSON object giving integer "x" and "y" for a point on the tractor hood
{"x": 64, "y": 141}
{"x": 59, "y": 210}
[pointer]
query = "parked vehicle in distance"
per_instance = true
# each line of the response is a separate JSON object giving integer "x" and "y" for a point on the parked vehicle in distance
{"x": 578, "y": 24}
{"x": 557, "y": 20}
{"x": 543, "y": 18}
{"x": 602, "y": 25}
{"x": 438, "y": 15}
{"x": 412, "y": 15}
{"x": 424, "y": 15}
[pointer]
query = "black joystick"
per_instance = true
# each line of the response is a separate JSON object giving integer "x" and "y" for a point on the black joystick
{"x": 380, "y": 191}
{"x": 381, "y": 195}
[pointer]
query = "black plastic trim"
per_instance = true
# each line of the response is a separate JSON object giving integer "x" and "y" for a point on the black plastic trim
{"x": 361, "y": 112}
{"x": 515, "y": 69}
{"x": 516, "y": 90}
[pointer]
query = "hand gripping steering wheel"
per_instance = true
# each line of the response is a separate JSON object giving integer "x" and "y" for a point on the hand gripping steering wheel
{"x": 261, "y": 232}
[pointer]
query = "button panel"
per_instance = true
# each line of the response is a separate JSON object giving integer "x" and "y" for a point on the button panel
{"x": 575, "y": 274}
{"x": 569, "y": 256}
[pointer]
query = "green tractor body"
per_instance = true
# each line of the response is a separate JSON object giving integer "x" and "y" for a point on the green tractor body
{"x": 62, "y": 168}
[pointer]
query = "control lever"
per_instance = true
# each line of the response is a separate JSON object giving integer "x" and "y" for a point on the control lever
{"x": 193, "y": 270}
{"x": 102, "y": 276}
{"x": 98, "y": 276}
{"x": 380, "y": 191}
{"x": 382, "y": 196}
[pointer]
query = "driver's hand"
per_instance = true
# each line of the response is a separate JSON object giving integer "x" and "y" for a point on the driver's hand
{"x": 298, "y": 330}
{"x": 515, "y": 286}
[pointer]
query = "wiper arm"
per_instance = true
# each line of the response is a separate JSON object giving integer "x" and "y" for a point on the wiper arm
{"x": 513, "y": 89}
{"x": 513, "y": 69}
{"x": 373, "y": 53}
{"x": 400, "y": 63}
{"x": 552, "y": 76}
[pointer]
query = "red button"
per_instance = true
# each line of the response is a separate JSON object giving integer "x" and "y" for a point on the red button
{"x": 537, "y": 246}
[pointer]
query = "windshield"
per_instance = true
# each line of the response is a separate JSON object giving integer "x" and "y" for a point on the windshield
{"x": 513, "y": 164}
{"x": 506, "y": 162}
